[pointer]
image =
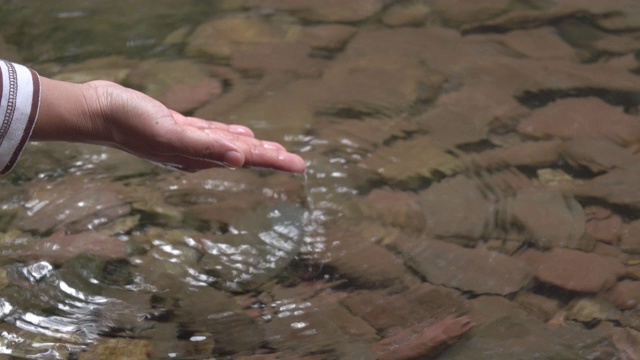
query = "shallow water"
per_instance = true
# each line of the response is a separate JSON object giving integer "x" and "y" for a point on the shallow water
{"x": 471, "y": 188}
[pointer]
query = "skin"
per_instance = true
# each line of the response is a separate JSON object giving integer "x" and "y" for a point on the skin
{"x": 102, "y": 112}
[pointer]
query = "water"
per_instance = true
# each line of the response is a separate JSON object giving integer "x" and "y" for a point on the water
{"x": 470, "y": 192}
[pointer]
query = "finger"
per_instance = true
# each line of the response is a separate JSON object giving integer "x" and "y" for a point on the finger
{"x": 258, "y": 155}
{"x": 209, "y": 124}
{"x": 232, "y": 150}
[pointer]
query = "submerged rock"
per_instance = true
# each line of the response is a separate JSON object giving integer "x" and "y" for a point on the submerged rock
{"x": 329, "y": 36}
{"x": 422, "y": 339}
{"x": 220, "y": 37}
{"x": 73, "y": 202}
{"x": 625, "y": 295}
{"x": 550, "y": 219}
{"x": 575, "y": 270}
{"x": 408, "y": 14}
{"x": 325, "y": 11}
{"x": 360, "y": 258}
{"x": 428, "y": 162}
{"x": 387, "y": 311}
{"x": 590, "y": 310}
{"x": 257, "y": 247}
{"x": 518, "y": 337}
{"x": 582, "y": 118}
{"x": 487, "y": 272}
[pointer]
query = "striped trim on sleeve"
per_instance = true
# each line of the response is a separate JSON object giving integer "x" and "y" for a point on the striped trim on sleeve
{"x": 19, "y": 103}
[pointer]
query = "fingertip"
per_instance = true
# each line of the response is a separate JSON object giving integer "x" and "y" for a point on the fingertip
{"x": 240, "y": 130}
{"x": 293, "y": 163}
{"x": 233, "y": 159}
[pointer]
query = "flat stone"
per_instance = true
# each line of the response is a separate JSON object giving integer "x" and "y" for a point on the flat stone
{"x": 330, "y": 36}
{"x": 550, "y": 218}
{"x": 597, "y": 154}
{"x": 428, "y": 163}
{"x": 520, "y": 337}
{"x": 448, "y": 264}
{"x": 189, "y": 97}
{"x": 489, "y": 308}
{"x": 459, "y": 12}
{"x": 456, "y": 207}
{"x": 75, "y": 202}
{"x": 281, "y": 56}
{"x": 385, "y": 311}
{"x": 582, "y": 118}
{"x": 575, "y": 270}
{"x": 340, "y": 11}
{"x": 603, "y": 224}
{"x": 159, "y": 79}
{"x": 628, "y": 342}
{"x": 357, "y": 257}
{"x": 467, "y": 115}
{"x": 630, "y": 240}
{"x": 590, "y": 310}
{"x": 220, "y": 37}
{"x": 402, "y": 209}
{"x": 543, "y": 42}
{"x": 625, "y": 294}
{"x": 534, "y": 153}
{"x": 58, "y": 248}
{"x": 421, "y": 340}
{"x": 541, "y": 307}
{"x": 408, "y": 14}
{"x": 375, "y": 84}
{"x": 118, "y": 348}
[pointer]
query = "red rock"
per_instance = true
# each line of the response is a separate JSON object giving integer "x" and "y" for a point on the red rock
{"x": 580, "y": 118}
{"x": 324, "y": 11}
{"x": 618, "y": 186}
{"x": 550, "y": 218}
{"x": 58, "y": 248}
{"x": 478, "y": 271}
{"x": 625, "y": 295}
{"x": 539, "y": 306}
{"x": 575, "y": 270}
{"x": 461, "y": 12}
{"x": 628, "y": 342}
{"x": 280, "y": 56}
{"x": 395, "y": 208}
{"x": 597, "y": 155}
{"x": 630, "y": 241}
{"x": 424, "y": 302}
{"x": 330, "y": 36}
{"x": 487, "y": 309}
{"x": 457, "y": 207}
{"x": 359, "y": 258}
{"x": 542, "y": 42}
{"x": 188, "y": 97}
{"x": 603, "y": 225}
{"x": 537, "y": 154}
{"x": 422, "y": 339}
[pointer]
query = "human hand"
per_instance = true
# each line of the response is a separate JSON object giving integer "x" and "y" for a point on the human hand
{"x": 102, "y": 112}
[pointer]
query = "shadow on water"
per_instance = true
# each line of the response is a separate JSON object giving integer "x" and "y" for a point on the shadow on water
{"x": 471, "y": 192}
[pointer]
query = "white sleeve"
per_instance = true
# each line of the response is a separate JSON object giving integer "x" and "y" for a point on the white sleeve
{"x": 19, "y": 103}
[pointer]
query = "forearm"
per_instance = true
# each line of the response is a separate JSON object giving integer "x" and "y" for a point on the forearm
{"x": 67, "y": 113}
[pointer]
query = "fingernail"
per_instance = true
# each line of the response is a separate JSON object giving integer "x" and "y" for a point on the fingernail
{"x": 239, "y": 129}
{"x": 233, "y": 159}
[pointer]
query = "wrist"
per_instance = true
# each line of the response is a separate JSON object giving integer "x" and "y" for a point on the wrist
{"x": 68, "y": 112}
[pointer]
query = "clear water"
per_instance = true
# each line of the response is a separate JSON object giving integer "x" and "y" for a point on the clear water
{"x": 426, "y": 197}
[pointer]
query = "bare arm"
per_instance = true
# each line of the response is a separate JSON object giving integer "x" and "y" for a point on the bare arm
{"x": 102, "y": 112}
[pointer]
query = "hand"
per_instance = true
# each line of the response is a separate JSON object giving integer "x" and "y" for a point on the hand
{"x": 102, "y": 112}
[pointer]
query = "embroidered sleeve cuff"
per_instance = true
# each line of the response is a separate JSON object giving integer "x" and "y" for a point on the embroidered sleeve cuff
{"x": 19, "y": 103}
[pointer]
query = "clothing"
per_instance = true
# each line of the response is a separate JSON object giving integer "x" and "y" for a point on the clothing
{"x": 19, "y": 103}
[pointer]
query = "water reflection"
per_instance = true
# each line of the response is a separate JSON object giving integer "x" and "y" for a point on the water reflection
{"x": 471, "y": 188}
